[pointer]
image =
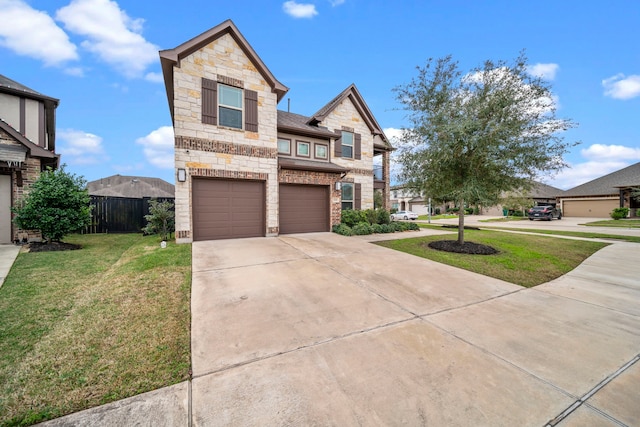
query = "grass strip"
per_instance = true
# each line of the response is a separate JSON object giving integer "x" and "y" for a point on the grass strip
{"x": 525, "y": 260}
{"x": 622, "y": 223}
{"x": 87, "y": 327}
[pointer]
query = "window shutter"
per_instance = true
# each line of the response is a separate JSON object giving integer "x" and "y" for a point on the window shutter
{"x": 209, "y": 102}
{"x": 338, "y": 146}
{"x": 357, "y": 195}
{"x": 251, "y": 110}
{"x": 357, "y": 146}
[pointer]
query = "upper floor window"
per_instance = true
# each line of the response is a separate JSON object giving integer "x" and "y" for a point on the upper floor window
{"x": 284, "y": 146}
{"x": 230, "y": 106}
{"x": 347, "y": 144}
{"x": 303, "y": 149}
{"x": 321, "y": 151}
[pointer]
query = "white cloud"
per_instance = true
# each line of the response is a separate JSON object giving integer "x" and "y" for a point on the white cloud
{"x": 544, "y": 71}
{"x": 81, "y": 148}
{"x": 600, "y": 159}
{"x": 33, "y": 33}
{"x": 299, "y": 10}
{"x": 159, "y": 147}
{"x": 110, "y": 34}
{"x": 621, "y": 87}
{"x": 154, "y": 77}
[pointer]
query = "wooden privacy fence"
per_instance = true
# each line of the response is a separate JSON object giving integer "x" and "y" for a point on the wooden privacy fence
{"x": 119, "y": 214}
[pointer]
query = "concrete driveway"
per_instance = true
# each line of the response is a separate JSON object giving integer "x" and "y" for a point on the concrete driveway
{"x": 320, "y": 329}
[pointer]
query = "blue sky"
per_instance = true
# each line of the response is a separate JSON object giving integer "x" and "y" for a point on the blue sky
{"x": 100, "y": 58}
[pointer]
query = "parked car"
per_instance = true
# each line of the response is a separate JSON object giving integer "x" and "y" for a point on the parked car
{"x": 404, "y": 215}
{"x": 544, "y": 212}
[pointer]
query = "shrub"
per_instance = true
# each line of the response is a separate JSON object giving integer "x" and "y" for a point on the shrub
{"x": 351, "y": 217}
{"x": 362, "y": 228}
{"x": 413, "y": 226}
{"x": 342, "y": 229}
{"x": 619, "y": 213}
{"x": 386, "y": 228}
{"x": 517, "y": 213}
{"x": 57, "y": 204}
{"x": 468, "y": 211}
{"x": 375, "y": 228}
{"x": 383, "y": 216}
{"x": 476, "y": 211}
{"x": 161, "y": 219}
{"x": 437, "y": 211}
{"x": 371, "y": 215}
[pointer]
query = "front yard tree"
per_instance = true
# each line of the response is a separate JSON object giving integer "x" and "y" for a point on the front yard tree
{"x": 475, "y": 135}
{"x": 57, "y": 204}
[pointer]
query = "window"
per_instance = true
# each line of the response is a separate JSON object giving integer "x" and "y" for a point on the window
{"x": 321, "y": 151}
{"x": 284, "y": 146}
{"x": 303, "y": 149}
{"x": 347, "y": 144}
{"x": 347, "y": 196}
{"x": 230, "y": 106}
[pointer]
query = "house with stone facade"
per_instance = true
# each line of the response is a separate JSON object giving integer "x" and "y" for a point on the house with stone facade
{"x": 27, "y": 147}
{"x": 245, "y": 168}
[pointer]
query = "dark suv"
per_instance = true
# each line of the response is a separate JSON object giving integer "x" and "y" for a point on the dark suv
{"x": 544, "y": 212}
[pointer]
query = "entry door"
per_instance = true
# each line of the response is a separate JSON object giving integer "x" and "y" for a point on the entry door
{"x": 5, "y": 209}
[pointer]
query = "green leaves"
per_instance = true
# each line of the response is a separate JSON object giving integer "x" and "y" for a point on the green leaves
{"x": 56, "y": 204}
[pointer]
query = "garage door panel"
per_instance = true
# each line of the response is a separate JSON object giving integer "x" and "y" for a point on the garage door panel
{"x": 589, "y": 208}
{"x": 225, "y": 209}
{"x": 304, "y": 208}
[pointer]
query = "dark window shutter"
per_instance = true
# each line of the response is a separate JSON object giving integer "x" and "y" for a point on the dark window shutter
{"x": 338, "y": 146}
{"x": 251, "y": 110}
{"x": 357, "y": 146}
{"x": 209, "y": 102}
{"x": 357, "y": 195}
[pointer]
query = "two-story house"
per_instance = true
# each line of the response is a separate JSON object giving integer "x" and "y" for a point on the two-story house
{"x": 246, "y": 169}
{"x": 27, "y": 146}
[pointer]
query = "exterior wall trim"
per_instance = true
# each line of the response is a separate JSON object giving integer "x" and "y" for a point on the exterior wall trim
{"x": 209, "y": 145}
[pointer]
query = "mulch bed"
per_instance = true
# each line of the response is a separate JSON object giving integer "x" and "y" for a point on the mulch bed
{"x": 466, "y": 248}
{"x": 52, "y": 246}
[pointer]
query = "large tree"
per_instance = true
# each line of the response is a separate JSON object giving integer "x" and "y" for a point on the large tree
{"x": 475, "y": 135}
{"x": 57, "y": 204}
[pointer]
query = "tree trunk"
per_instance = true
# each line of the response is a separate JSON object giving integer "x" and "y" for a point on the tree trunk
{"x": 461, "y": 222}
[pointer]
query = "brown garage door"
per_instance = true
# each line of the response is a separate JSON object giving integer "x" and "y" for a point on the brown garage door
{"x": 589, "y": 208}
{"x": 304, "y": 208}
{"x": 226, "y": 209}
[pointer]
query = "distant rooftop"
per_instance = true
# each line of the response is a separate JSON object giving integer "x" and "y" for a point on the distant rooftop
{"x": 133, "y": 187}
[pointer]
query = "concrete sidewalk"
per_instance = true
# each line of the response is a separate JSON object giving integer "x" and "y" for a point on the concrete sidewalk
{"x": 320, "y": 329}
{"x": 8, "y": 255}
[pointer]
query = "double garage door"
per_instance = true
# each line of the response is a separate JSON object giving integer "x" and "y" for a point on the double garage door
{"x": 227, "y": 209}
{"x": 589, "y": 208}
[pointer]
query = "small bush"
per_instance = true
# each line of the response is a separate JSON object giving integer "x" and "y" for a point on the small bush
{"x": 468, "y": 211}
{"x": 386, "y": 228}
{"x": 476, "y": 211}
{"x": 413, "y": 226}
{"x": 437, "y": 211}
{"x": 351, "y": 217}
{"x": 453, "y": 210}
{"x": 371, "y": 215}
{"x": 517, "y": 213}
{"x": 383, "y": 216}
{"x": 362, "y": 229}
{"x": 342, "y": 229}
{"x": 375, "y": 228}
{"x": 619, "y": 213}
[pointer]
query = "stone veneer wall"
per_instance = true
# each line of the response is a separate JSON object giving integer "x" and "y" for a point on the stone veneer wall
{"x": 288, "y": 176}
{"x": 361, "y": 171}
{"x": 213, "y": 151}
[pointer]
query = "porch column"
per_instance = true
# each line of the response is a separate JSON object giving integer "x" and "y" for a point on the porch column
{"x": 386, "y": 158}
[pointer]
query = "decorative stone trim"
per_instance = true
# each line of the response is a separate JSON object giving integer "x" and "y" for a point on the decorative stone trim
{"x": 189, "y": 143}
{"x": 220, "y": 173}
{"x": 348, "y": 129}
{"x": 230, "y": 81}
{"x": 273, "y": 231}
{"x": 183, "y": 234}
{"x": 367, "y": 172}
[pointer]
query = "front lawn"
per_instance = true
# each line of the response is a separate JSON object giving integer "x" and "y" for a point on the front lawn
{"x": 625, "y": 223}
{"x": 437, "y": 217}
{"x": 524, "y": 259}
{"x": 505, "y": 219}
{"x": 87, "y": 327}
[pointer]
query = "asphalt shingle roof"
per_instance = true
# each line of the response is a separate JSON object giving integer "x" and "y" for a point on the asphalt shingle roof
{"x": 609, "y": 184}
{"x": 298, "y": 123}
{"x": 134, "y": 187}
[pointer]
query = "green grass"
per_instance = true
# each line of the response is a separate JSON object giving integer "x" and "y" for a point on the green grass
{"x": 436, "y": 217}
{"x": 582, "y": 234}
{"x": 524, "y": 260}
{"x": 625, "y": 223}
{"x": 505, "y": 219}
{"x": 83, "y": 328}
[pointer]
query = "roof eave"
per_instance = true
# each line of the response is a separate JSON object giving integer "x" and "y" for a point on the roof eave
{"x": 34, "y": 150}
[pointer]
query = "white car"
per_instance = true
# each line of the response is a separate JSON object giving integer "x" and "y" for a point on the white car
{"x": 404, "y": 215}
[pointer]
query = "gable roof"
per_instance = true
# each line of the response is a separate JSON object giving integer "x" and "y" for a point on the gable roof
{"x": 608, "y": 185}
{"x": 172, "y": 57}
{"x": 34, "y": 149}
{"x": 299, "y": 124}
{"x": 133, "y": 187}
{"x": 540, "y": 190}
{"x": 352, "y": 93}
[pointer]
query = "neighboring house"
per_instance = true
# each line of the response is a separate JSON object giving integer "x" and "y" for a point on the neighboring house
{"x": 27, "y": 147}
{"x": 404, "y": 199}
{"x": 245, "y": 169}
{"x": 597, "y": 198}
{"x": 132, "y": 187}
{"x": 540, "y": 194}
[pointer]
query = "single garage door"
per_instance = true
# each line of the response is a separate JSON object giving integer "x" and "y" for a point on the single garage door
{"x": 227, "y": 209}
{"x": 589, "y": 208}
{"x": 304, "y": 208}
{"x": 5, "y": 209}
